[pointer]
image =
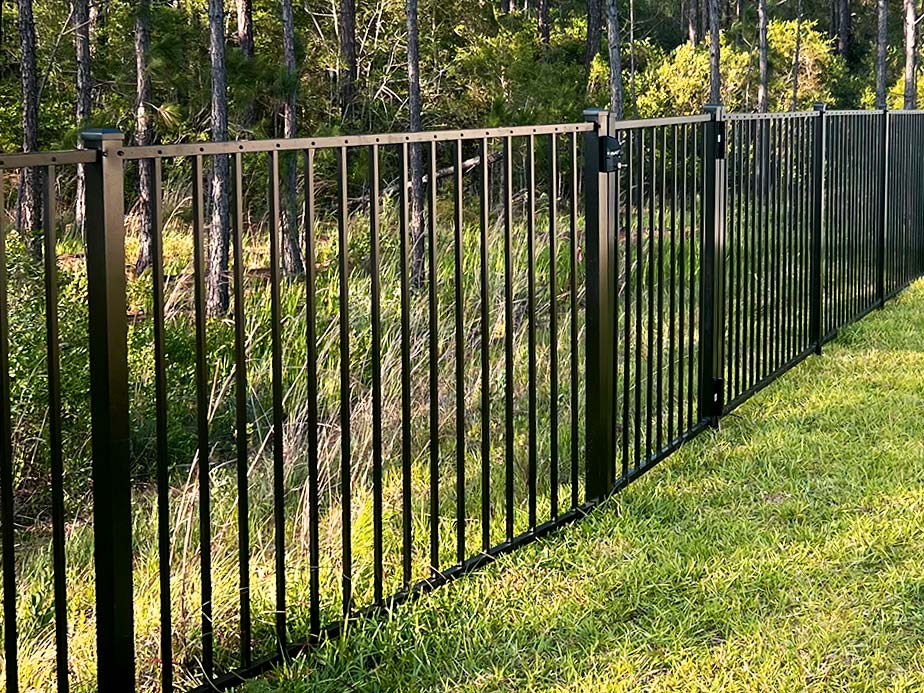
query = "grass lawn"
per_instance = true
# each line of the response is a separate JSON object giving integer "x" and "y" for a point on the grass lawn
{"x": 784, "y": 552}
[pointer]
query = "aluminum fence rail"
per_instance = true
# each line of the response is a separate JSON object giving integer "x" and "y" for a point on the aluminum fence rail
{"x": 462, "y": 367}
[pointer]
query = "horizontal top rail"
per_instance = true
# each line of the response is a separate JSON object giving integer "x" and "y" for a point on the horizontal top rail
{"x": 848, "y": 112}
{"x": 30, "y": 159}
{"x": 303, "y": 143}
{"x": 771, "y": 116}
{"x": 903, "y": 112}
{"x": 660, "y": 122}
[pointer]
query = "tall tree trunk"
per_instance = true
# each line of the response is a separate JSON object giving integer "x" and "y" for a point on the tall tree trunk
{"x": 797, "y": 57}
{"x": 219, "y": 232}
{"x": 593, "y": 32}
{"x": 348, "y": 73}
{"x": 739, "y": 15}
{"x": 81, "y": 19}
{"x": 415, "y": 107}
{"x": 98, "y": 9}
{"x": 292, "y": 255}
{"x": 505, "y": 6}
{"x": 762, "y": 58}
{"x": 693, "y": 22}
{"x": 245, "y": 27}
{"x": 614, "y": 43}
{"x": 30, "y": 183}
{"x": 843, "y": 27}
{"x": 911, "y": 87}
{"x": 245, "y": 41}
{"x": 543, "y": 23}
{"x": 632, "y": 93}
{"x": 144, "y": 133}
{"x": 715, "y": 78}
{"x": 882, "y": 44}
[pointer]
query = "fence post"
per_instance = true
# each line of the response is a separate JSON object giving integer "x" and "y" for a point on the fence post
{"x": 600, "y": 155}
{"x": 108, "y": 327}
{"x": 712, "y": 309}
{"x": 883, "y": 183}
{"x": 818, "y": 160}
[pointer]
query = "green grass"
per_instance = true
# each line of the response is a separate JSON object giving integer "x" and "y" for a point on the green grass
{"x": 781, "y": 553}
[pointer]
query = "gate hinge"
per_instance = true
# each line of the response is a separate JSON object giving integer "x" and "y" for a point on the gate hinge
{"x": 610, "y": 154}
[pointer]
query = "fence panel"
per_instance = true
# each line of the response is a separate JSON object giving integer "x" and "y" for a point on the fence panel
{"x": 42, "y": 438}
{"x": 852, "y": 226}
{"x": 768, "y": 219}
{"x": 904, "y": 194}
{"x": 385, "y": 383}
{"x": 659, "y": 226}
{"x": 403, "y": 411}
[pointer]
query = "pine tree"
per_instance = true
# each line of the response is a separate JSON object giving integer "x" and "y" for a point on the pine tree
{"x": 219, "y": 233}
{"x": 592, "y": 46}
{"x": 882, "y": 44}
{"x": 84, "y": 89}
{"x": 612, "y": 35}
{"x": 415, "y": 107}
{"x": 762, "y": 58}
{"x": 715, "y": 79}
{"x": 144, "y": 132}
{"x": 30, "y": 183}
{"x": 910, "y": 55}
{"x": 291, "y": 256}
{"x": 348, "y": 69}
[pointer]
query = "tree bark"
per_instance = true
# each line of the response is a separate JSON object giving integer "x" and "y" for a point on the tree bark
{"x": 98, "y": 11}
{"x": 843, "y": 27}
{"x": 543, "y": 23}
{"x": 505, "y": 6}
{"x": 245, "y": 42}
{"x": 882, "y": 44}
{"x": 144, "y": 133}
{"x": 693, "y": 22}
{"x": 762, "y": 58}
{"x": 911, "y": 87}
{"x": 715, "y": 78}
{"x": 614, "y": 43}
{"x": 291, "y": 256}
{"x": 245, "y": 27}
{"x": 593, "y": 32}
{"x": 29, "y": 211}
{"x": 81, "y": 19}
{"x": 415, "y": 108}
{"x": 797, "y": 57}
{"x": 632, "y": 65}
{"x": 348, "y": 70}
{"x": 219, "y": 232}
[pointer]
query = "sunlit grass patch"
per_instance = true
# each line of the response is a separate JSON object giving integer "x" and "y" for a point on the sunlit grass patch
{"x": 780, "y": 553}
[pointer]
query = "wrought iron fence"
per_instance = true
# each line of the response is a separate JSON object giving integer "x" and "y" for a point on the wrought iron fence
{"x": 435, "y": 390}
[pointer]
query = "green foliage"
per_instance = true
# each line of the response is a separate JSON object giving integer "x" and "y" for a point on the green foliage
{"x": 28, "y": 368}
{"x": 509, "y": 79}
{"x": 819, "y": 68}
{"x": 679, "y": 84}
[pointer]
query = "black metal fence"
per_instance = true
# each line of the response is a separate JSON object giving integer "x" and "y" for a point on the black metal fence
{"x": 430, "y": 395}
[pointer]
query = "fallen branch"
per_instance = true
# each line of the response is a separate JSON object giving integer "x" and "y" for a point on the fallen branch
{"x": 467, "y": 166}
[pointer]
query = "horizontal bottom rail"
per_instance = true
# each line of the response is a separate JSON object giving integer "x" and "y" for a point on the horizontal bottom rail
{"x": 754, "y": 389}
{"x": 625, "y": 479}
{"x": 419, "y": 589}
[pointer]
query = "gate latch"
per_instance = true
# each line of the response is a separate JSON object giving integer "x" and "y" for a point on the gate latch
{"x": 720, "y": 144}
{"x": 718, "y": 397}
{"x": 610, "y": 154}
